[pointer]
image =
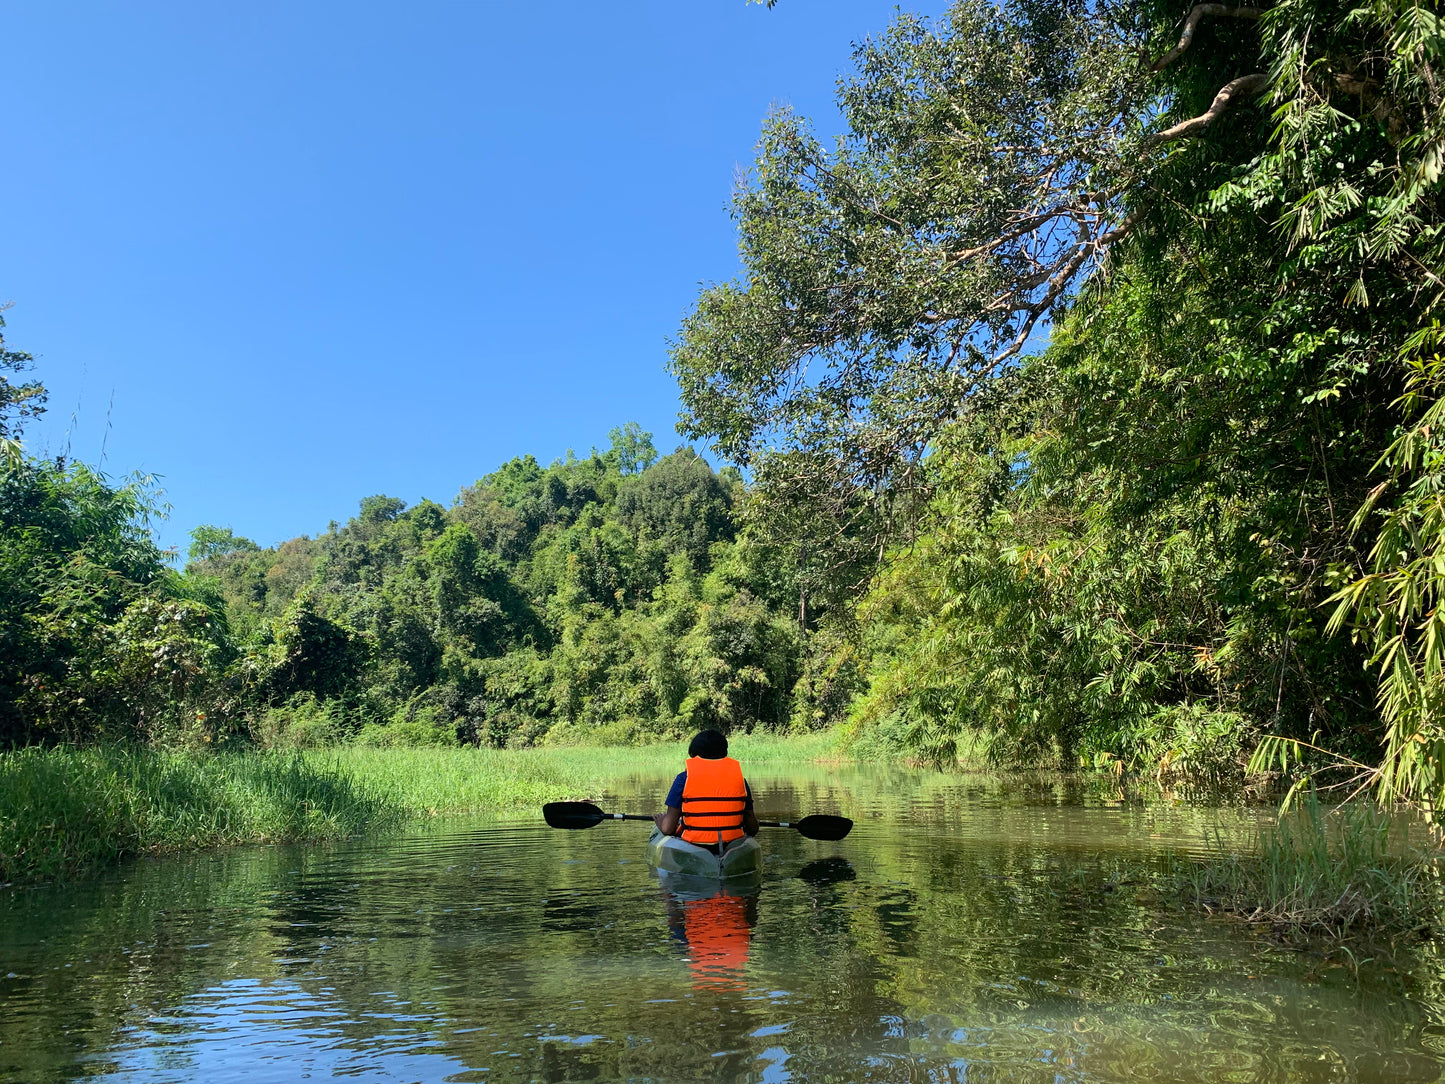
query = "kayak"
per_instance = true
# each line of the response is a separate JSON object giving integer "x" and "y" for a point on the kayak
{"x": 670, "y": 854}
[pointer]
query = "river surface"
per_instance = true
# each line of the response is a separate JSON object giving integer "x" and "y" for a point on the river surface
{"x": 969, "y": 929}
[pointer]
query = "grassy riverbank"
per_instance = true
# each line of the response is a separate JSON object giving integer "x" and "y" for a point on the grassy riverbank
{"x": 1318, "y": 872}
{"x": 70, "y": 809}
{"x": 1327, "y": 872}
{"x": 428, "y": 782}
{"x": 67, "y": 810}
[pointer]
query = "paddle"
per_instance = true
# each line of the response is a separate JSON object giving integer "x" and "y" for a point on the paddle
{"x": 586, "y": 815}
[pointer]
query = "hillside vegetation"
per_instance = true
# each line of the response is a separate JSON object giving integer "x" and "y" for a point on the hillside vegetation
{"x": 605, "y": 599}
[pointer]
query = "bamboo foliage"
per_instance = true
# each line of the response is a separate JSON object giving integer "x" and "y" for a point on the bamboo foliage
{"x": 1396, "y": 607}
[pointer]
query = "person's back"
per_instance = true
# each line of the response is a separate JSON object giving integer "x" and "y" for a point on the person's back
{"x": 710, "y": 804}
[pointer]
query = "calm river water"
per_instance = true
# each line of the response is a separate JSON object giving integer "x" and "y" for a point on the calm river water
{"x": 968, "y": 930}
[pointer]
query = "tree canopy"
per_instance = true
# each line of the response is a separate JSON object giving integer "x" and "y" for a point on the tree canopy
{"x": 1091, "y": 331}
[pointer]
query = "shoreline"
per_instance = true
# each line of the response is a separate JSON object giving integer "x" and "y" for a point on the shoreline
{"x": 1331, "y": 875}
{"x": 68, "y": 811}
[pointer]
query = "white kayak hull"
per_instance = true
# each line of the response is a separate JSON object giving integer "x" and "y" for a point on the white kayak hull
{"x": 670, "y": 854}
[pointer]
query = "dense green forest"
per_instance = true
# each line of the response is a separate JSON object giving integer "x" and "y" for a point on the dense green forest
{"x": 1082, "y": 401}
{"x": 603, "y": 599}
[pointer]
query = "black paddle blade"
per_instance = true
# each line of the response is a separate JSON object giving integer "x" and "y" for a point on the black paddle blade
{"x": 573, "y": 814}
{"x": 824, "y": 826}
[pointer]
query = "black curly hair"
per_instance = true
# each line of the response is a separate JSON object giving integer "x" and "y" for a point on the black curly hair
{"x": 709, "y": 744}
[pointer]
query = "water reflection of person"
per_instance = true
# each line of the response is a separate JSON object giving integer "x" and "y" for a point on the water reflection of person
{"x": 716, "y": 927}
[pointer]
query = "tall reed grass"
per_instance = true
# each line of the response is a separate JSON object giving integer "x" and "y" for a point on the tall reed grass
{"x": 1338, "y": 871}
{"x": 431, "y": 781}
{"x": 69, "y": 809}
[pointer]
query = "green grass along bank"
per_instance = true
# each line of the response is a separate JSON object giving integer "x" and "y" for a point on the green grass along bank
{"x": 71, "y": 809}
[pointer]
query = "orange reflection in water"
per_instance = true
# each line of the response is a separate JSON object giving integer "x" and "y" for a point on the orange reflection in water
{"x": 718, "y": 935}
{"x": 718, "y": 931}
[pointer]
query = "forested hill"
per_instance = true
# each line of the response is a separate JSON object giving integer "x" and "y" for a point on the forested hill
{"x": 606, "y": 597}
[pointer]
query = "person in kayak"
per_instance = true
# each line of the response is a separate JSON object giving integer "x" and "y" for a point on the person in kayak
{"x": 710, "y": 803}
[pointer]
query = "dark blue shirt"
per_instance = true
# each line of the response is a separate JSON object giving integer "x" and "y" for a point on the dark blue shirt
{"x": 674, "y": 796}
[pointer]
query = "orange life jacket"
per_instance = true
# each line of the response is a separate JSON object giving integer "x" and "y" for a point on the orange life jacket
{"x": 713, "y": 799}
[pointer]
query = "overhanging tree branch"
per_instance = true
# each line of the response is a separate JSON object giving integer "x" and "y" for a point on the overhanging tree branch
{"x": 971, "y": 198}
{"x": 1191, "y": 24}
{"x": 1233, "y": 91}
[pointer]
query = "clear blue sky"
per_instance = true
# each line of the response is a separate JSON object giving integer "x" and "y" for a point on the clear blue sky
{"x": 323, "y": 250}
